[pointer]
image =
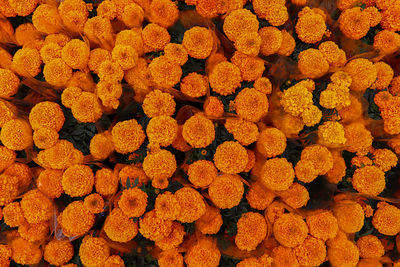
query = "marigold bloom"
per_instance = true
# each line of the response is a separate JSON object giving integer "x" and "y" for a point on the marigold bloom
{"x": 125, "y": 55}
{"x": 170, "y": 258}
{"x": 310, "y": 26}
{"x": 387, "y": 42}
{"x": 49, "y": 183}
{"x": 58, "y": 252}
{"x": 250, "y": 67}
{"x": 164, "y": 12}
{"x": 251, "y": 104}
{"x": 362, "y": 72}
{"x": 133, "y": 202}
{"x": 305, "y": 171}
{"x": 36, "y": 206}
{"x": 110, "y": 71}
{"x": 132, "y": 173}
{"x": 109, "y": 93}
{"x": 225, "y": 77}
{"x": 76, "y": 220}
{"x": 155, "y": 37}
{"x": 386, "y": 219}
{"x": 114, "y": 261}
{"x": 7, "y": 112}
{"x": 60, "y": 156}
{"x": 320, "y": 156}
{"x": 94, "y": 251}
{"x": 132, "y": 38}
{"x": 331, "y": 134}
{"x": 322, "y": 225}
{"x": 344, "y": 253}
{"x": 390, "y": 20}
{"x": 271, "y": 142}
{"x": 350, "y": 216}
{"x": 370, "y": 247}
{"x": 56, "y": 72}
{"x": 35, "y": 231}
{"x": 361, "y": 161}
{"x": 275, "y": 12}
{"x": 226, "y": 191}
{"x": 385, "y": 75}
{"x": 311, "y": 252}
{"x": 259, "y": 197}
{"x": 162, "y": 130}
{"x": 97, "y": 56}
{"x": 194, "y": 85}
{"x": 26, "y": 62}
{"x": 45, "y": 138}
{"x": 167, "y": 206}
{"x": 289, "y": 125}
{"x": 25, "y": 252}
{"x": 277, "y": 174}
{"x": 22, "y": 172}
{"x": 174, "y": 239}
{"x": 359, "y": 139}
{"x": 297, "y": 99}
{"x": 354, "y": 23}
{"x": 338, "y": 170}
{"x": 119, "y": 228}
{"x": 385, "y": 159}
{"x": 210, "y": 222}
{"x": 263, "y": 85}
{"x": 13, "y": 214}
{"x": 159, "y": 165}
{"x": 106, "y": 182}
{"x": 165, "y": 73}
{"x": 296, "y": 196}
{"x": 158, "y": 103}
{"x": 94, "y": 203}
{"x": 202, "y": 172}
{"x": 204, "y": 252}
{"x": 107, "y": 9}
{"x": 311, "y": 116}
{"x": 26, "y": 33}
{"x": 98, "y": 30}
{"x": 312, "y": 63}
{"x": 290, "y": 230}
{"x": 283, "y": 256}
{"x": 191, "y": 203}
{"x": 46, "y": 115}
{"x": 394, "y": 88}
{"x": 133, "y": 15}
{"x": 238, "y": 22}
{"x": 101, "y": 146}
{"x": 198, "y": 131}
{"x": 248, "y": 43}
{"x": 78, "y": 180}
{"x": 245, "y": 132}
{"x": 213, "y": 107}
{"x": 16, "y": 134}
{"x": 127, "y": 136}
{"x": 50, "y": 51}
{"x": 251, "y": 231}
{"x": 6, "y": 9}
{"x": 335, "y": 56}
{"x": 46, "y": 19}
{"x": 369, "y": 180}
{"x": 231, "y": 157}
{"x": 153, "y": 227}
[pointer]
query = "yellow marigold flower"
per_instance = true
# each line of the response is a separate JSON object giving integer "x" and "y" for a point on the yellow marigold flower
{"x": 385, "y": 75}
{"x": 251, "y": 104}
{"x": 225, "y": 78}
{"x": 35, "y": 231}
{"x": 362, "y": 72}
{"x": 160, "y": 165}
{"x": 7, "y": 112}
{"x": 158, "y": 103}
{"x": 320, "y": 156}
{"x": 271, "y": 142}
{"x": 45, "y": 138}
{"x": 164, "y": 12}
{"x": 16, "y": 134}
{"x": 167, "y": 206}
{"x": 226, "y": 191}
{"x": 106, "y": 182}
{"x": 331, "y": 134}
{"x": 49, "y": 183}
{"x": 13, "y": 214}
{"x": 170, "y": 258}
{"x": 58, "y": 252}
{"x": 133, "y": 202}
{"x": 277, "y": 174}
{"x": 202, "y": 173}
{"x": 338, "y": 170}
{"x": 250, "y": 67}
{"x": 387, "y": 42}
{"x": 390, "y": 20}
{"x": 26, "y": 33}
{"x": 46, "y": 115}
{"x": 354, "y": 23}
{"x": 94, "y": 251}
{"x": 245, "y": 132}
{"x": 275, "y": 12}
{"x": 174, "y": 239}
{"x": 335, "y": 56}
{"x": 60, "y": 156}
{"x": 305, "y": 171}
{"x": 203, "y": 252}
{"x": 97, "y": 56}
{"x": 350, "y": 216}
{"x": 94, "y": 203}
{"x": 153, "y": 227}
{"x": 46, "y": 19}
{"x": 385, "y": 159}
{"x": 312, "y": 63}
{"x": 259, "y": 197}
{"x": 165, "y": 73}
{"x": 311, "y": 252}
{"x": 107, "y": 9}
{"x": 155, "y": 37}
{"x": 36, "y": 207}
{"x": 133, "y": 15}
{"x": 26, "y": 62}
{"x": 370, "y": 247}
{"x": 310, "y": 26}
{"x": 386, "y": 219}
{"x": 369, "y": 180}
{"x": 231, "y": 157}
{"x": 344, "y": 253}
{"x": 311, "y": 115}
{"x": 114, "y": 261}
{"x": 78, "y": 180}
{"x": 125, "y": 55}
{"x": 296, "y": 196}
{"x": 296, "y": 99}
{"x": 210, "y": 222}
{"x": 263, "y": 85}
{"x": 127, "y": 136}
{"x": 98, "y": 30}
{"x": 194, "y": 85}
{"x": 25, "y": 252}
{"x": 290, "y": 230}
{"x": 283, "y": 256}
{"x": 76, "y": 220}
{"x": 119, "y": 228}
{"x": 191, "y": 203}
{"x": 110, "y": 71}
{"x": 132, "y": 173}
{"x": 248, "y": 43}
{"x": 251, "y": 231}
{"x": 359, "y": 139}
{"x": 162, "y": 130}
{"x": 198, "y": 131}
{"x": 238, "y": 22}
{"x": 341, "y": 78}
{"x": 322, "y": 225}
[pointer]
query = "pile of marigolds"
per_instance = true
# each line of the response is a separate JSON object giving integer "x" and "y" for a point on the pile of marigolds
{"x": 200, "y": 133}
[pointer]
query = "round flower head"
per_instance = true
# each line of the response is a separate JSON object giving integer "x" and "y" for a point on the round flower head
{"x": 358, "y": 138}
{"x": 98, "y": 30}
{"x": 312, "y": 63}
{"x": 50, "y": 51}
{"x": 76, "y": 54}
{"x": 74, "y": 14}
{"x": 36, "y": 207}
{"x": 369, "y": 180}
{"x": 290, "y": 230}
{"x": 283, "y": 256}
{"x": 132, "y": 172}
{"x": 387, "y": 42}
{"x": 335, "y": 56}
{"x": 94, "y": 203}
{"x": 46, "y": 115}
{"x": 89, "y": 246}
{"x": 155, "y": 37}
{"x": 107, "y": 9}
{"x": 394, "y": 88}
{"x": 390, "y": 20}
{"x": 194, "y": 85}
{"x": 322, "y": 225}
{"x": 226, "y": 191}
{"x": 370, "y": 246}
{"x": 165, "y": 73}
{"x": 213, "y": 107}
{"x": 7, "y": 157}
{"x": 114, "y": 261}
{"x": 154, "y": 228}
{"x": 231, "y": 157}
{"x": 16, "y": 134}
{"x": 49, "y": 183}
{"x": 296, "y": 196}
{"x": 288, "y": 44}
{"x": 56, "y": 72}
{"x": 251, "y": 231}
{"x": 312, "y": 252}
{"x": 78, "y": 180}
{"x": 13, "y": 215}
{"x": 174, "y": 239}
{"x": 385, "y": 75}
{"x": 320, "y": 156}
{"x": 58, "y": 252}
{"x": 9, "y": 83}
{"x": 97, "y": 56}
{"x": 110, "y": 71}
{"x": 271, "y": 142}
{"x": 132, "y": 38}
{"x": 127, "y": 136}
{"x": 192, "y": 205}
{"x": 249, "y": 43}
{"x": 311, "y": 116}
{"x": 46, "y": 19}
{"x": 296, "y": 100}
{"x": 354, "y": 23}
{"x": 109, "y": 93}
{"x": 7, "y": 112}
{"x": 59, "y": 38}
{"x": 331, "y": 134}
{"x": 25, "y": 252}
{"x": 274, "y": 12}
{"x": 363, "y": 73}
{"x": 350, "y": 216}
{"x": 210, "y": 222}
{"x": 250, "y": 67}
{"x": 343, "y": 253}
{"x": 238, "y": 22}
{"x": 106, "y": 182}
{"x": 245, "y": 132}
{"x": 76, "y": 220}
{"x": 164, "y": 12}
{"x": 225, "y": 77}
{"x": 251, "y": 104}
{"x": 170, "y": 258}
{"x": 305, "y": 171}
{"x": 310, "y": 26}
{"x": 277, "y": 174}
{"x": 167, "y": 206}
{"x": 101, "y": 146}
{"x": 26, "y": 62}
{"x": 202, "y": 173}
{"x": 338, "y": 170}
{"x": 162, "y": 130}
{"x": 6, "y": 9}
{"x": 198, "y": 131}
{"x": 159, "y": 165}
{"x": 119, "y": 228}
{"x": 158, "y": 103}
{"x": 22, "y": 172}
{"x": 133, "y": 15}
{"x": 34, "y": 232}
{"x": 263, "y": 85}
{"x": 385, "y": 159}
{"x": 259, "y": 197}
{"x": 386, "y": 219}
{"x": 60, "y": 156}
{"x": 125, "y": 55}
{"x": 45, "y": 137}
{"x": 133, "y": 202}
{"x": 205, "y": 250}
{"x": 176, "y": 53}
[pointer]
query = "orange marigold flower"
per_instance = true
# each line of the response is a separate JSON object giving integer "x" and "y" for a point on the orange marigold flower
{"x": 155, "y": 37}
{"x": 132, "y": 38}
{"x": 259, "y": 197}
{"x": 89, "y": 246}
{"x": 210, "y": 222}
{"x": 226, "y": 191}
{"x": 179, "y": 142}
{"x": 331, "y": 134}
{"x": 125, "y": 55}
{"x": 344, "y": 253}
{"x": 97, "y": 56}
{"x": 110, "y": 71}
{"x": 198, "y": 131}
{"x": 225, "y": 77}
{"x": 46, "y": 19}
{"x": 350, "y": 216}
{"x": 289, "y": 125}
{"x": 56, "y": 72}
{"x": 59, "y": 38}
{"x": 354, "y": 23}
{"x": 78, "y": 180}
{"x": 101, "y": 146}
{"x": 160, "y": 165}
{"x": 390, "y": 20}
{"x": 231, "y": 157}
{"x": 245, "y": 132}
{"x": 6, "y": 9}
{"x": 283, "y": 256}
{"x": 58, "y": 252}
{"x": 312, "y": 63}
{"x": 310, "y": 26}
{"x": 250, "y": 67}
{"x": 274, "y": 211}
{"x": 387, "y": 42}
{"x": 26, "y": 62}
{"x": 132, "y": 173}
{"x": 387, "y": 219}
{"x": 49, "y": 183}
{"x": 311, "y": 115}
{"x": 297, "y": 99}
{"x": 127, "y": 136}
{"x": 311, "y": 252}
{"x": 7, "y": 112}
{"x": 362, "y": 72}
{"x": 114, "y": 261}
{"x": 16, "y": 134}
{"x": 361, "y": 161}
{"x": 359, "y": 139}
{"x": 248, "y": 43}
{"x": 288, "y": 44}
{"x": 194, "y": 85}
{"x": 238, "y": 22}
{"x": 98, "y": 30}
{"x": 251, "y": 231}
{"x": 13, "y": 214}
{"x": 192, "y": 205}
{"x": 369, "y": 180}
{"x": 165, "y": 73}
{"x": 133, "y": 15}
{"x": 107, "y": 9}
{"x": 394, "y": 88}
{"x": 277, "y": 174}
{"x": 341, "y": 78}
{"x": 290, "y": 230}
{"x": 271, "y": 142}
{"x": 35, "y": 231}
{"x": 46, "y": 115}
{"x": 385, "y": 159}
{"x": 26, "y": 33}
{"x": 385, "y": 75}
{"x": 60, "y": 156}
{"x": 22, "y": 172}
{"x": 158, "y": 103}
{"x": 353, "y": 111}
{"x": 119, "y": 228}
{"x": 153, "y": 227}
{"x": 36, "y": 206}
{"x": 305, "y": 171}
{"x": 167, "y": 206}
{"x": 174, "y": 239}
{"x": 50, "y": 51}
{"x": 320, "y": 156}
{"x": 7, "y": 157}
{"x": 106, "y": 182}
{"x": 109, "y": 93}
{"x": 45, "y": 138}
{"x": 374, "y": 15}
{"x": 335, "y": 56}
{"x": 94, "y": 203}
{"x": 213, "y": 107}
{"x": 162, "y": 130}
{"x": 296, "y": 196}
{"x": 275, "y": 12}
{"x": 370, "y": 247}
{"x": 76, "y": 54}
{"x": 338, "y": 170}
{"x": 164, "y": 12}
{"x": 76, "y": 220}
{"x": 263, "y": 85}
{"x": 176, "y": 53}
{"x": 170, "y": 258}
{"x": 322, "y": 225}
{"x": 25, "y": 252}
{"x": 204, "y": 252}
{"x": 133, "y": 202}
{"x": 272, "y": 39}
{"x": 202, "y": 173}
{"x": 251, "y": 104}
